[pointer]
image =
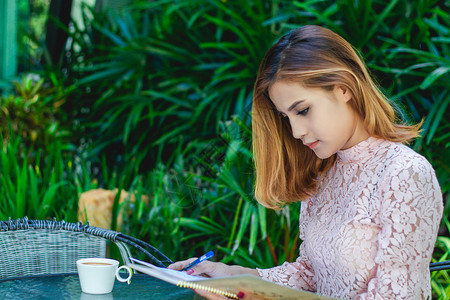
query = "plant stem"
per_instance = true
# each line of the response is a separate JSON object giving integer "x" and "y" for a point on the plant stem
{"x": 272, "y": 250}
{"x": 235, "y": 222}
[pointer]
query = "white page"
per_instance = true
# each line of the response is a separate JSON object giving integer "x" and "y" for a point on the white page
{"x": 169, "y": 275}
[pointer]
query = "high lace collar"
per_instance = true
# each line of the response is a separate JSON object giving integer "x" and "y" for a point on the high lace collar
{"x": 360, "y": 152}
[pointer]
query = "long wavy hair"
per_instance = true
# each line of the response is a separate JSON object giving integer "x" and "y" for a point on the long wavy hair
{"x": 286, "y": 170}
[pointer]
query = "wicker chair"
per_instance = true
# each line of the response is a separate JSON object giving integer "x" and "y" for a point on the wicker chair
{"x": 35, "y": 247}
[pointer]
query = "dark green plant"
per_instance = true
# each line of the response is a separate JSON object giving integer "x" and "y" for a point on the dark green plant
{"x": 32, "y": 112}
{"x": 31, "y": 18}
{"x": 147, "y": 85}
{"x": 38, "y": 188}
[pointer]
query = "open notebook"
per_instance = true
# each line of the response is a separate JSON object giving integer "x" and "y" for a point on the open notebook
{"x": 226, "y": 286}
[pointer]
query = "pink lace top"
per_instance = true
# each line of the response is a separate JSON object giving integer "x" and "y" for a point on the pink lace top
{"x": 370, "y": 231}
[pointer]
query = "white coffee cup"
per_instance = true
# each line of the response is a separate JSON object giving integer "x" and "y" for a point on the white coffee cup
{"x": 97, "y": 275}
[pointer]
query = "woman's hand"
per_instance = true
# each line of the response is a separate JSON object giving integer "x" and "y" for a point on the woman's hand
{"x": 212, "y": 269}
{"x": 205, "y": 268}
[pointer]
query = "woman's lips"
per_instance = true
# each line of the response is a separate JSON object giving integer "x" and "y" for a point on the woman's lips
{"x": 312, "y": 145}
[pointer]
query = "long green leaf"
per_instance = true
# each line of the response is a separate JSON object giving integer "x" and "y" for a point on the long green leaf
{"x": 438, "y": 118}
{"x": 430, "y": 79}
{"x": 245, "y": 219}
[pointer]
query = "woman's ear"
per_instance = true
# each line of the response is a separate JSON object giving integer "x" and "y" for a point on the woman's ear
{"x": 343, "y": 93}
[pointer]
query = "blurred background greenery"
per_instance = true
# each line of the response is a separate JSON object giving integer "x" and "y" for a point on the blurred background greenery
{"x": 154, "y": 97}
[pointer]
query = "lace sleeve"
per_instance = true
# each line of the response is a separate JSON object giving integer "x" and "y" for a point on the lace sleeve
{"x": 298, "y": 274}
{"x": 410, "y": 213}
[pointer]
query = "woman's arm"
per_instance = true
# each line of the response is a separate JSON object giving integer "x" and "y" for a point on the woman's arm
{"x": 410, "y": 214}
{"x": 298, "y": 274}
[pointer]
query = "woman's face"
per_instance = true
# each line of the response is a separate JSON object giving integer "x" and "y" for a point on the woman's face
{"x": 323, "y": 120}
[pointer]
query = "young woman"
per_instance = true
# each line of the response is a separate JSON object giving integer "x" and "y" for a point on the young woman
{"x": 324, "y": 134}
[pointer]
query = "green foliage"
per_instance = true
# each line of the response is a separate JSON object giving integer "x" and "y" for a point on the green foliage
{"x": 157, "y": 85}
{"x": 37, "y": 189}
{"x": 32, "y": 113}
{"x": 31, "y": 18}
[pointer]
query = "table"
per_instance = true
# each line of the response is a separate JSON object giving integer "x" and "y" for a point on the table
{"x": 67, "y": 286}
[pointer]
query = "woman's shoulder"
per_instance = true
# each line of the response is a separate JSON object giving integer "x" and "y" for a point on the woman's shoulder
{"x": 377, "y": 151}
{"x": 408, "y": 177}
{"x": 396, "y": 160}
{"x": 398, "y": 155}
{"x": 399, "y": 161}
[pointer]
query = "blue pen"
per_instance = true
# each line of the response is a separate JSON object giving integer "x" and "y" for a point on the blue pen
{"x": 199, "y": 260}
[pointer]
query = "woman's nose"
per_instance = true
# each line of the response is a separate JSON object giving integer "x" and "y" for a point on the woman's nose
{"x": 298, "y": 130}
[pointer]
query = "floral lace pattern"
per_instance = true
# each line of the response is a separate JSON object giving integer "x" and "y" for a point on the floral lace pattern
{"x": 370, "y": 231}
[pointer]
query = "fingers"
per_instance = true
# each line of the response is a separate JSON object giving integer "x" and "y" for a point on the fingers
{"x": 211, "y": 269}
{"x": 205, "y": 268}
{"x": 179, "y": 265}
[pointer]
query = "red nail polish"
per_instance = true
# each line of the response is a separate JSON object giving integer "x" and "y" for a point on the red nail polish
{"x": 190, "y": 271}
{"x": 240, "y": 295}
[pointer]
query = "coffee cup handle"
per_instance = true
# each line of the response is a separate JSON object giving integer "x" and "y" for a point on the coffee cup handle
{"x": 130, "y": 274}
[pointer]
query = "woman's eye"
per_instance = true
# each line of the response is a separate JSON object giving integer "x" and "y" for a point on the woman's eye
{"x": 303, "y": 112}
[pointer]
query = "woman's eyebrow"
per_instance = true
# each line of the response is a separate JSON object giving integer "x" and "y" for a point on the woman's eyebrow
{"x": 295, "y": 104}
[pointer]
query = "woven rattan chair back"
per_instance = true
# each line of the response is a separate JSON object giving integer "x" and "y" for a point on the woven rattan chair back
{"x": 36, "y": 247}
{"x": 43, "y": 251}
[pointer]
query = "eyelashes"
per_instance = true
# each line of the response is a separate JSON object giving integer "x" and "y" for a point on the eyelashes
{"x": 284, "y": 117}
{"x": 303, "y": 112}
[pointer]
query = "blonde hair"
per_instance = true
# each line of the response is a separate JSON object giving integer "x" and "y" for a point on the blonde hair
{"x": 286, "y": 170}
